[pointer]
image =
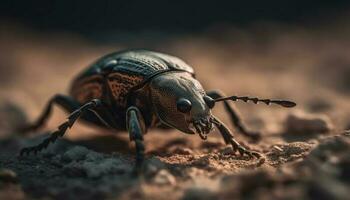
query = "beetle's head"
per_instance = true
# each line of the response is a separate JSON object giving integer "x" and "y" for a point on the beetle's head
{"x": 179, "y": 101}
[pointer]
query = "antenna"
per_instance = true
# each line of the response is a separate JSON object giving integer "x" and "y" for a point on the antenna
{"x": 284, "y": 103}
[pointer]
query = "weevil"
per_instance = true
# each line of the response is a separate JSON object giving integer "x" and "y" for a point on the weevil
{"x": 135, "y": 90}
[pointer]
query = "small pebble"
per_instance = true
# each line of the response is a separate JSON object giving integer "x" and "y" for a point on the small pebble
{"x": 7, "y": 176}
{"x": 261, "y": 161}
{"x": 182, "y": 151}
{"x": 278, "y": 148}
{"x": 163, "y": 177}
{"x": 304, "y": 123}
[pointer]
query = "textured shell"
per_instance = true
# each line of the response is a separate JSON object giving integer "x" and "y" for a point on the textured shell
{"x": 124, "y": 71}
{"x": 138, "y": 62}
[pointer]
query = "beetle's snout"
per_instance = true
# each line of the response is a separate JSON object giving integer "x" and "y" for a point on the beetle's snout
{"x": 202, "y": 126}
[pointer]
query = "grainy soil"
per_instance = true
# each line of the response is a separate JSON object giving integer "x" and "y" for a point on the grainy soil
{"x": 306, "y": 150}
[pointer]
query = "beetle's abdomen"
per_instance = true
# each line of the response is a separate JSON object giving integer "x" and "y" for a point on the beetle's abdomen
{"x": 120, "y": 84}
{"x": 87, "y": 88}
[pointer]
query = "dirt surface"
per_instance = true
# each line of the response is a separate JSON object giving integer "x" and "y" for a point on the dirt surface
{"x": 306, "y": 150}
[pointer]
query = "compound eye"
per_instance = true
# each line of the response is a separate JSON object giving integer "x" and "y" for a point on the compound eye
{"x": 183, "y": 105}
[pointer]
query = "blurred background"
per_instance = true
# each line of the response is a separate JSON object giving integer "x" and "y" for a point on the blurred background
{"x": 298, "y": 50}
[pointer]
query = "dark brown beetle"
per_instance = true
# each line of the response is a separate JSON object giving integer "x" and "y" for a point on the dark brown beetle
{"x": 137, "y": 89}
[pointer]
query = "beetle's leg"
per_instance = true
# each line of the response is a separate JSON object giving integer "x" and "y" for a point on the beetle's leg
{"x": 235, "y": 118}
{"x": 69, "y": 105}
{"x": 228, "y": 137}
{"x": 136, "y": 128}
{"x": 66, "y": 102}
{"x": 91, "y": 105}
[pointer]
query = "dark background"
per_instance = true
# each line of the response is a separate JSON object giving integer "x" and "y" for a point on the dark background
{"x": 87, "y": 17}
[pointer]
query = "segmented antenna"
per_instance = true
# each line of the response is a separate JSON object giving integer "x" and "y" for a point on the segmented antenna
{"x": 284, "y": 103}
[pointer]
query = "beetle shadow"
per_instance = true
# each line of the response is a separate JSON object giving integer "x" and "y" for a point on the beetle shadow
{"x": 167, "y": 148}
{"x": 106, "y": 144}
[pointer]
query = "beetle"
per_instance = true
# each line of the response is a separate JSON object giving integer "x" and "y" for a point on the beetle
{"x": 135, "y": 90}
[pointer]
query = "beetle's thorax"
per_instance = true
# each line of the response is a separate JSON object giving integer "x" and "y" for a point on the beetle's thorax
{"x": 167, "y": 89}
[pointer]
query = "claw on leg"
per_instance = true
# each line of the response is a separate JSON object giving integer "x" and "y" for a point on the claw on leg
{"x": 228, "y": 137}
{"x": 243, "y": 151}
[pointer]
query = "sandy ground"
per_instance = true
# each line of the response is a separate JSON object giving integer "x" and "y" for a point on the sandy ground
{"x": 305, "y": 149}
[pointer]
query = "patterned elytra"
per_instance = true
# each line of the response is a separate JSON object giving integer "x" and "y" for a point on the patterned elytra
{"x": 124, "y": 71}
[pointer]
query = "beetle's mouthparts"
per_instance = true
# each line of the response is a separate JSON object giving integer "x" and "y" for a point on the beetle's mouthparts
{"x": 203, "y": 127}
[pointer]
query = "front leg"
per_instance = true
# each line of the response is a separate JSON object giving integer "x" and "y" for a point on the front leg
{"x": 136, "y": 127}
{"x": 228, "y": 137}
